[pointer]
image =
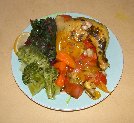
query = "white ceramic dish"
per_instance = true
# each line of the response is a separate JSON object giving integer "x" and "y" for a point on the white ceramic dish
{"x": 115, "y": 58}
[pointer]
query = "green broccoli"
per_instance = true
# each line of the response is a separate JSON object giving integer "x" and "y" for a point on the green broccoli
{"x": 32, "y": 73}
{"x": 30, "y": 54}
{"x": 33, "y": 76}
{"x": 51, "y": 89}
{"x": 38, "y": 73}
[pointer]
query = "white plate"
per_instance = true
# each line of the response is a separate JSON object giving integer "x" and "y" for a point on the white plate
{"x": 115, "y": 58}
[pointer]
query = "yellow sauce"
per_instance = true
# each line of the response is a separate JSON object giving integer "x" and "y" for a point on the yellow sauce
{"x": 65, "y": 43}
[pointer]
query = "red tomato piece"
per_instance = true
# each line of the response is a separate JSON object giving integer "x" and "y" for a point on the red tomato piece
{"x": 73, "y": 89}
{"x": 89, "y": 45}
{"x": 100, "y": 77}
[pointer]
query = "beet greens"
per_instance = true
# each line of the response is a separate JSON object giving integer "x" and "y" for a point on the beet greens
{"x": 43, "y": 36}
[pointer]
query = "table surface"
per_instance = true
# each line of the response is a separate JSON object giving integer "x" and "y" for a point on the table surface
{"x": 15, "y": 107}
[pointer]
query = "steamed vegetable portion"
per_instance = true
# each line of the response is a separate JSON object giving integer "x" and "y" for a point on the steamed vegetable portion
{"x": 33, "y": 76}
{"x": 38, "y": 73}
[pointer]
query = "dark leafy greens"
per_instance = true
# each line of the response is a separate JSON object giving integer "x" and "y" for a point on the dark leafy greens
{"x": 43, "y": 36}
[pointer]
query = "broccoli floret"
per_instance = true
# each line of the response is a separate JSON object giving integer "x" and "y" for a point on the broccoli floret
{"x": 32, "y": 73}
{"x": 33, "y": 76}
{"x": 30, "y": 54}
{"x": 51, "y": 88}
{"x": 38, "y": 73}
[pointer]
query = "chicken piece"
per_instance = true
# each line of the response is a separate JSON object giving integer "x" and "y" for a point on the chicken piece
{"x": 98, "y": 33}
{"x": 99, "y": 36}
{"x": 70, "y": 34}
{"x": 74, "y": 30}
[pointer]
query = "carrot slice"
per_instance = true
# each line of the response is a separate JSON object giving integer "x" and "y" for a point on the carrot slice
{"x": 60, "y": 65}
{"x": 60, "y": 80}
{"x": 64, "y": 57}
{"x": 103, "y": 87}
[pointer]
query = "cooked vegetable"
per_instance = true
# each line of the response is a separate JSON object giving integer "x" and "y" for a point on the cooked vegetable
{"x": 30, "y": 54}
{"x": 33, "y": 76}
{"x": 90, "y": 89}
{"x": 64, "y": 57}
{"x": 93, "y": 94}
{"x": 60, "y": 80}
{"x": 50, "y": 76}
{"x": 61, "y": 66}
{"x": 38, "y": 73}
{"x": 43, "y": 36}
{"x": 103, "y": 87}
{"x": 100, "y": 77}
{"x": 89, "y": 45}
{"x": 68, "y": 99}
{"x": 74, "y": 90}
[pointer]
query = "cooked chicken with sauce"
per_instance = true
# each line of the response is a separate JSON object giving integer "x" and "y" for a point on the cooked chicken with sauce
{"x": 71, "y": 31}
{"x": 99, "y": 36}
